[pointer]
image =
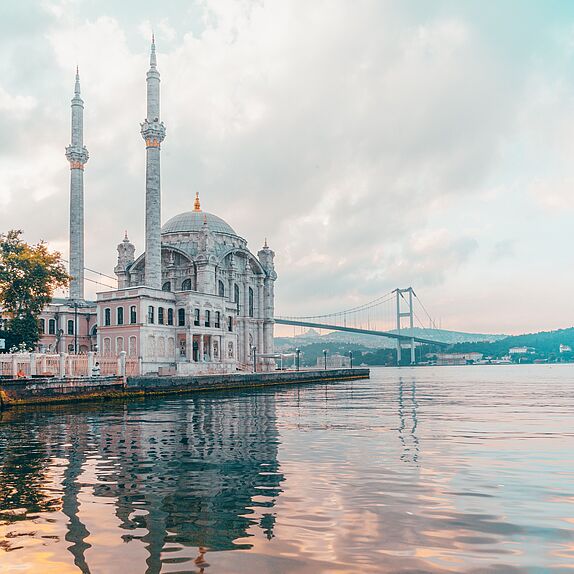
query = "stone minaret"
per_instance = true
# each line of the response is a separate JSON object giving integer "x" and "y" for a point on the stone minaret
{"x": 266, "y": 257}
{"x": 77, "y": 155}
{"x": 153, "y": 132}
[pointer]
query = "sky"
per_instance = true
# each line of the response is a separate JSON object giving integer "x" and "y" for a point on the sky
{"x": 375, "y": 144}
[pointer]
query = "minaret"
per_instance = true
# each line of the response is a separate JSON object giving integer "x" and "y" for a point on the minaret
{"x": 153, "y": 132}
{"x": 77, "y": 155}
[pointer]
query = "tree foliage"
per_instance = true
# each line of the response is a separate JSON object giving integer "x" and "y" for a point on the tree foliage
{"x": 29, "y": 275}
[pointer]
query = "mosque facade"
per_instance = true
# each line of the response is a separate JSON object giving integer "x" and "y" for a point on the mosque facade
{"x": 197, "y": 300}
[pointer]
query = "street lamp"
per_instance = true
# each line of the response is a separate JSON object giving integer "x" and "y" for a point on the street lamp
{"x": 325, "y": 357}
{"x": 351, "y": 358}
{"x": 297, "y": 358}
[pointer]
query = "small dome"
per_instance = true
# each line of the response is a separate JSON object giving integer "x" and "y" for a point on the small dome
{"x": 193, "y": 221}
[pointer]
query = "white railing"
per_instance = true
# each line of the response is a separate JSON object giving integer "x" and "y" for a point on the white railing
{"x": 26, "y": 365}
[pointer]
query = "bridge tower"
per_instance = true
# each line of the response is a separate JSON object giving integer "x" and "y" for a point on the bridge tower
{"x": 402, "y": 304}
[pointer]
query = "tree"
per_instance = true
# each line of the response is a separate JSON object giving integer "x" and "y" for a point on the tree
{"x": 29, "y": 275}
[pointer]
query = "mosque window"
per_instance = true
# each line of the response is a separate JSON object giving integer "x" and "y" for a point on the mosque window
{"x": 70, "y": 327}
{"x": 52, "y": 327}
{"x": 221, "y": 288}
{"x": 150, "y": 315}
{"x": 250, "y": 302}
{"x": 207, "y": 318}
{"x": 42, "y": 326}
{"x": 170, "y": 316}
{"x": 160, "y": 315}
{"x": 230, "y": 323}
{"x": 120, "y": 316}
{"x": 181, "y": 317}
{"x": 196, "y": 317}
{"x": 133, "y": 315}
{"x": 217, "y": 320}
{"x": 107, "y": 316}
{"x": 236, "y": 296}
{"x": 166, "y": 286}
{"x": 186, "y": 285}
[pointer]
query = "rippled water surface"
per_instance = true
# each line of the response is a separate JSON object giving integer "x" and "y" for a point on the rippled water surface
{"x": 452, "y": 469}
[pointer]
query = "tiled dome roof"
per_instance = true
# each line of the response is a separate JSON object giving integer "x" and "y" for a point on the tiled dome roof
{"x": 193, "y": 221}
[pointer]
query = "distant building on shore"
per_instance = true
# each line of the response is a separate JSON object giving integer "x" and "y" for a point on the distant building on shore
{"x": 335, "y": 361}
{"x": 521, "y": 351}
{"x": 457, "y": 358}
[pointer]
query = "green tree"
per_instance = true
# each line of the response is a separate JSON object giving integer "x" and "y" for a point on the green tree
{"x": 29, "y": 275}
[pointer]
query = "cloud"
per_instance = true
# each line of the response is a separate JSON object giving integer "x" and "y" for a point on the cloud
{"x": 336, "y": 130}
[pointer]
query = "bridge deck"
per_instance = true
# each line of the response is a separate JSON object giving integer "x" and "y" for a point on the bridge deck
{"x": 387, "y": 334}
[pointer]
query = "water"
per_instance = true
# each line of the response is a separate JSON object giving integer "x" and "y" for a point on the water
{"x": 447, "y": 469}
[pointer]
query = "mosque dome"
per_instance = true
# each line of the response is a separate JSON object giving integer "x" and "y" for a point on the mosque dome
{"x": 192, "y": 221}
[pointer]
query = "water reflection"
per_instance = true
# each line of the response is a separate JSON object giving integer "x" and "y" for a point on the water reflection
{"x": 407, "y": 411}
{"x": 199, "y": 473}
{"x": 417, "y": 470}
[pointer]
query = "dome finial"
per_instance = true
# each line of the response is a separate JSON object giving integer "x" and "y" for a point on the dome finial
{"x": 196, "y": 204}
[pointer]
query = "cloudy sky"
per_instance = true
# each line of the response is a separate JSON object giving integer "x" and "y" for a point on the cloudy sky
{"x": 375, "y": 144}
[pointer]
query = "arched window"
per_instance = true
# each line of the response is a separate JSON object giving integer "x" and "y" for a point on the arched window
{"x": 52, "y": 327}
{"x": 160, "y": 315}
{"x": 250, "y": 302}
{"x": 42, "y": 326}
{"x": 119, "y": 344}
{"x": 166, "y": 286}
{"x": 70, "y": 327}
{"x": 107, "y": 346}
{"x": 133, "y": 347}
{"x": 186, "y": 285}
{"x": 217, "y": 320}
{"x": 181, "y": 317}
{"x": 236, "y": 296}
{"x": 207, "y": 318}
{"x": 221, "y": 288}
{"x": 150, "y": 315}
{"x": 120, "y": 316}
{"x": 170, "y": 316}
{"x": 133, "y": 315}
{"x": 107, "y": 316}
{"x": 196, "y": 317}
{"x": 230, "y": 323}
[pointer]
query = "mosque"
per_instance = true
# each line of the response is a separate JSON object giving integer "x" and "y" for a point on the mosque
{"x": 197, "y": 300}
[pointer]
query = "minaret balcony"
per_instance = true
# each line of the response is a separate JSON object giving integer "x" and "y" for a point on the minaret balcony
{"x": 77, "y": 156}
{"x": 153, "y": 132}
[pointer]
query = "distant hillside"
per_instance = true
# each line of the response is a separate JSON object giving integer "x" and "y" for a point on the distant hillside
{"x": 373, "y": 350}
{"x": 544, "y": 343}
{"x": 376, "y": 342}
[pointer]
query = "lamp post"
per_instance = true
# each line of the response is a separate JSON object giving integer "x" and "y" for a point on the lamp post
{"x": 254, "y": 351}
{"x": 351, "y": 358}
{"x": 297, "y": 358}
{"x": 325, "y": 357}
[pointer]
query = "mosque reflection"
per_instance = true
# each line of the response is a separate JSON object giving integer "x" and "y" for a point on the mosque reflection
{"x": 199, "y": 473}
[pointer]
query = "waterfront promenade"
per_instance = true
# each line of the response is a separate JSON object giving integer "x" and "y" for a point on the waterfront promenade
{"x": 29, "y": 391}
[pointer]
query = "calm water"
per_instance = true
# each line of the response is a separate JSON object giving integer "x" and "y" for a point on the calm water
{"x": 452, "y": 469}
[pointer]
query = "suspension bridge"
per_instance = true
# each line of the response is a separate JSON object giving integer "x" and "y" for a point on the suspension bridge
{"x": 393, "y": 315}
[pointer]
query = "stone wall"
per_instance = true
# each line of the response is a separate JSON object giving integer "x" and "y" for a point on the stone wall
{"x": 37, "y": 391}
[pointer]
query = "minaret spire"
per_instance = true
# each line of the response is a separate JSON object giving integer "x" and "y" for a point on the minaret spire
{"x": 153, "y": 132}
{"x": 152, "y": 56}
{"x": 77, "y": 155}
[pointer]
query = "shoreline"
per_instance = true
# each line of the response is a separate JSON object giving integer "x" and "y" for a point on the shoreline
{"x": 46, "y": 391}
